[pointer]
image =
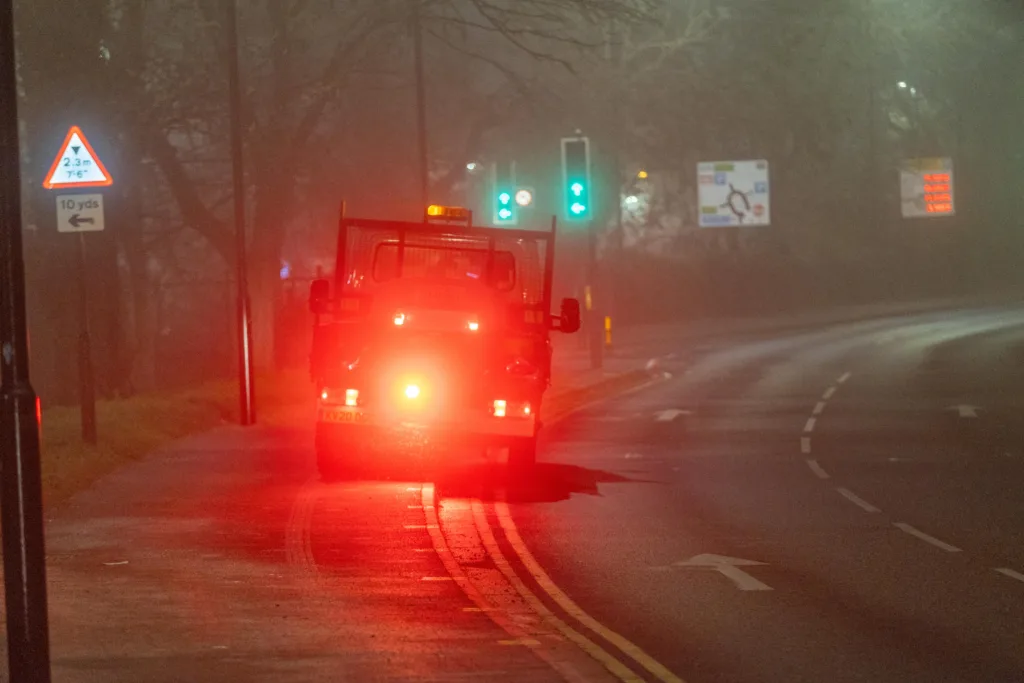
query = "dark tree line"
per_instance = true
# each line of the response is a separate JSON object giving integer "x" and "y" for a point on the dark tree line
{"x": 329, "y": 114}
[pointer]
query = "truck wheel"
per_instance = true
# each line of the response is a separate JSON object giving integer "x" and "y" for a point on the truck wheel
{"x": 522, "y": 453}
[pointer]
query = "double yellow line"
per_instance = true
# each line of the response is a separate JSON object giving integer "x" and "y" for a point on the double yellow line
{"x": 608, "y": 660}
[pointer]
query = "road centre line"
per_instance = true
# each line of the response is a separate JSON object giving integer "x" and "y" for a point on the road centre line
{"x": 809, "y": 427}
{"x": 508, "y": 525}
{"x": 819, "y": 408}
{"x": 805, "y": 445}
{"x": 818, "y": 470}
{"x": 857, "y": 500}
{"x": 1011, "y": 573}
{"x": 610, "y": 662}
{"x": 498, "y": 616}
{"x": 845, "y": 376}
{"x": 903, "y": 526}
{"x": 829, "y": 393}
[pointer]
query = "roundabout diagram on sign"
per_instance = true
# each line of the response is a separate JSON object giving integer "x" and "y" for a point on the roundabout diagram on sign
{"x": 733, "y": 193}
{"x": 737, "y": 202}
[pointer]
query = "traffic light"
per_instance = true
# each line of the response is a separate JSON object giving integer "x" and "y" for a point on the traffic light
{"x": 576, "y": 178}
{"x": 503, "y": 175}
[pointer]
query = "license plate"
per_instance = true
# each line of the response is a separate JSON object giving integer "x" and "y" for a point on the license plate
{"x": 343, "y": 416}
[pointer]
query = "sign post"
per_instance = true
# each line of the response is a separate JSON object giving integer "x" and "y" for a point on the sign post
{"x": 21, "y": 496}
{"x": 78, "y": 166}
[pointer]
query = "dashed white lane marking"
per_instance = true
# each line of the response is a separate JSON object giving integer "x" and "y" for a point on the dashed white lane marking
{"x": 809, "y": 427}
{"x": 829, "y": 393}
{"x": 857, "y": 500}
{"x": 844, "y": 377}
{"x": 1011, "y": 573}
{"x": 805, "y": 445}
{"x": 817, "y": 469}
{"x": 819, "y": 408}
{"x": 917, "y": 533}
{"x": 508, "y": 525}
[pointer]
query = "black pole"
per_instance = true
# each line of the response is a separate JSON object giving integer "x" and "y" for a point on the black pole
{"x": 247, "y": 400}
{"x": 421, "y": 105}
{"x": 86, "y": 374}
{"x": 21, "y": 504}
{"x": 595, "y": 327}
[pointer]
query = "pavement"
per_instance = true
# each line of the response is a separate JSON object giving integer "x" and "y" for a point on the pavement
{"x": 819, "y": 500}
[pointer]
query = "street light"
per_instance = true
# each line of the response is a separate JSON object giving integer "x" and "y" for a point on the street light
{"x": 247, "y": 413}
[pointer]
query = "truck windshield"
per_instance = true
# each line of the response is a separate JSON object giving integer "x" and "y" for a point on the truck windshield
{"x": 448, "y": 264}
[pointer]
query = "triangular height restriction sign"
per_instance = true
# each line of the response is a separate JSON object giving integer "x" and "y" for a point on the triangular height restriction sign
{"x": 77, "y": 165}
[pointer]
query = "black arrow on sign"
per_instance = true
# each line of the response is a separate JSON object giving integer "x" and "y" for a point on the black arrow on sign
{"x": 77, "y": 220}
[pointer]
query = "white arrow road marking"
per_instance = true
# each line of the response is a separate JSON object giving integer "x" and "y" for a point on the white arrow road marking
{"x": 669, "y": 415}
{"x": 965, "y": 410}
{"x": 730, "y": 568}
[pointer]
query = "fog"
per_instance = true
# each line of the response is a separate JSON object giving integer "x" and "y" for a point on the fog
{"x": 836, "y": 97}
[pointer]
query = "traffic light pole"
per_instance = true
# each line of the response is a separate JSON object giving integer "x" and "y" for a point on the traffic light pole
{"x": 247, "y": 397}
{"x": 21, "y": 498}
{"x": 594, "y": 329}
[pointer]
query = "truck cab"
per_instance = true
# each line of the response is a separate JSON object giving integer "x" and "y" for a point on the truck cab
{"x": 439, "y": 328}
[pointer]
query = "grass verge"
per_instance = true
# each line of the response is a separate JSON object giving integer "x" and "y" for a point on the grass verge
{"x": 130, "y": 428}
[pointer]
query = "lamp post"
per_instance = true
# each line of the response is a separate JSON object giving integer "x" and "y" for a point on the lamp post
{"x": 247, "y": 401}
{"x": 421, "y": 104}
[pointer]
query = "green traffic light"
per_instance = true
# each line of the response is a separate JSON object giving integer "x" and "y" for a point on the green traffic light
{"x": 577, "y": 208}
{"x": 505, "y": 214}
{"x": 504, "y": 198}
{"x": 577, "y": 189}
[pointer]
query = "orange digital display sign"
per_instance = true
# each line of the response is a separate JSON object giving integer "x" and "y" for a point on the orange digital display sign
{"x": 938, "y": 193}
{"x": 927, "y": 187}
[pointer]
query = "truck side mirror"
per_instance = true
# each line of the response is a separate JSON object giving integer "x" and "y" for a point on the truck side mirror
{"x": 319, "y": 296}
{"x": 569, "y": 317}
